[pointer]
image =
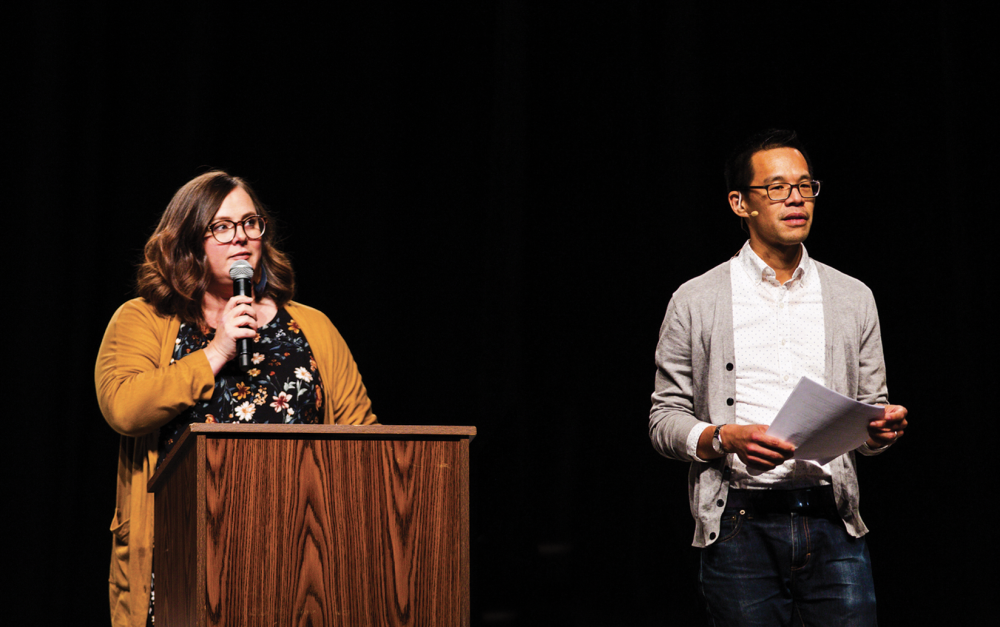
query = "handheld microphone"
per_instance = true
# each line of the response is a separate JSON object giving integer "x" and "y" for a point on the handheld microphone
{"x": 241, "y": 273}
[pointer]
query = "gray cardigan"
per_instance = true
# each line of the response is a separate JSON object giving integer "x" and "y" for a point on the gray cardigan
{"x": 696, "y": 381}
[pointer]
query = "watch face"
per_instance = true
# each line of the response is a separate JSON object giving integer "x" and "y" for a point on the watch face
{"x": 717, "y": 441}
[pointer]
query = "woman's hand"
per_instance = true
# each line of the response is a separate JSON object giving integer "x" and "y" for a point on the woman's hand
{"x": 238, "y": 321}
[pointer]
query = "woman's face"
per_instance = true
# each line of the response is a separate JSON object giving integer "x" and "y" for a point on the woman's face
{"x": 236, "y": 206}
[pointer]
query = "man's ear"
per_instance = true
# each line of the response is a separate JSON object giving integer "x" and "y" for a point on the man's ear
{"x": 736, "y": 204}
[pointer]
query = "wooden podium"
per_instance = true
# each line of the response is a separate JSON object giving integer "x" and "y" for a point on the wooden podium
{"x": 317, "y": 525}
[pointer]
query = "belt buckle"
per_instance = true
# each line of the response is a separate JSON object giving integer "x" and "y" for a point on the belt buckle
{"x": 801, "y": 500}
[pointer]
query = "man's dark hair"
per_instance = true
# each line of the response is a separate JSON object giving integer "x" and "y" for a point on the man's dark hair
{"x": 739, "y": 166}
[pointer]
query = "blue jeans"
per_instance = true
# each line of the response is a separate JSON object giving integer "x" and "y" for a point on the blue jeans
{"x": 772, "y": 569}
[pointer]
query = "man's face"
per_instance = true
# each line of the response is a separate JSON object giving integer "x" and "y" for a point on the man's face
{"x": 779, "y": 224}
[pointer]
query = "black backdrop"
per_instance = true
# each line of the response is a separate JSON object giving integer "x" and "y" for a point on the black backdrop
{"x": 493, "y": 202}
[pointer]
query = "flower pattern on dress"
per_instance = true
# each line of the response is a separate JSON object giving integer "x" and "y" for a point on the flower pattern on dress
{"x": 289, "y": 390}
{"x": 241, "y": 391}
{"x": 246, "y": 411}
{"x": 281, "y": 402}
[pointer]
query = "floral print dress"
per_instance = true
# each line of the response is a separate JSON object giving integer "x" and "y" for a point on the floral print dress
{"x": 282, "y": 386}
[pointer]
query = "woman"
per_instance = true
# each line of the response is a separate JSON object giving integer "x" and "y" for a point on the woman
{"x": 167, "y": 358}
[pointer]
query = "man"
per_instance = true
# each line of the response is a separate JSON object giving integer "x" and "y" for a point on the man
{"x": 781, "y": 539}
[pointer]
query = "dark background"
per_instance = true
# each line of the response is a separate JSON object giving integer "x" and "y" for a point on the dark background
{"x": 493, "y": 201}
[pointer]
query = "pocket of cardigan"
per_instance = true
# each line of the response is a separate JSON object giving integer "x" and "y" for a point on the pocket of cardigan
{"x": 119, "y": 553}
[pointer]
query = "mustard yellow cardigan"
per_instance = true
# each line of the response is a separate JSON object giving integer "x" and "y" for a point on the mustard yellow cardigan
{"x": 139, "y": 390}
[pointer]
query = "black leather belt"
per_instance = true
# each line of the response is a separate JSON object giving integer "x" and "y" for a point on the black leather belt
{"x": 817, "y": 501}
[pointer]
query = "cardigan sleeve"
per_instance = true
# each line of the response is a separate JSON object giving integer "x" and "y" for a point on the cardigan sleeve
{"x": 672, "y": 417}
{"x": 871, "y": 365}
{"x": 136, "y": 392}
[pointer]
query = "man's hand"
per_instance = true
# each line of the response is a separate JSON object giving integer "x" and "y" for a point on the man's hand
{"x": 889, "y": 428}
{"x": 756, "y": 449}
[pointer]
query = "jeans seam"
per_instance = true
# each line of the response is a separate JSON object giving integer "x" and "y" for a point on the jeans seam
{"x": 808, "y": 544}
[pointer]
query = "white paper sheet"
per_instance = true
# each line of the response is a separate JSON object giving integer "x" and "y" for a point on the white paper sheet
{"x": 821, "y": 423}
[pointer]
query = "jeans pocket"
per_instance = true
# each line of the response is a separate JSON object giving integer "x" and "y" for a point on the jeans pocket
{"x": 729, "y": 526}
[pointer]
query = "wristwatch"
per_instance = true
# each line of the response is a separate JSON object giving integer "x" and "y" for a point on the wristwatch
{"x": 717, "y": 441}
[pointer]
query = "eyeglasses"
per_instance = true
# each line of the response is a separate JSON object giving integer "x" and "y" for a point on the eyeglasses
{"x": 225, "y": 230}
{"x": 781, "y": 191}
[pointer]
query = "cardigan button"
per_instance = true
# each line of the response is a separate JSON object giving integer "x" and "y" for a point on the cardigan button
{"x": 711, "y": 536}
{"x": 720, "y": 503}
{"x": 730, "y": 402}
{"x": 729, "y": 366}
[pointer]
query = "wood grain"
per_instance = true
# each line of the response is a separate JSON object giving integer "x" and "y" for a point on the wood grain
{"x": 176, "y": 532}
{"x": 324, "y": 530}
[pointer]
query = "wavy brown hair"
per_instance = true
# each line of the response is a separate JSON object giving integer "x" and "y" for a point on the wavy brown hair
{"x": 175, "y": 274}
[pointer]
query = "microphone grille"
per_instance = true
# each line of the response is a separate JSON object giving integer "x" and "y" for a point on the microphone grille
{"x": 241, "y": 270}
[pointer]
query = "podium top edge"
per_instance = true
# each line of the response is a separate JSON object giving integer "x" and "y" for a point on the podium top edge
{"x": 266, "y": 431}
{"x": 376, "y": 431}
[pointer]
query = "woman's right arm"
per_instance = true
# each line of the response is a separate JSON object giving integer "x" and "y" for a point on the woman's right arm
{"x": 137, "y": 393}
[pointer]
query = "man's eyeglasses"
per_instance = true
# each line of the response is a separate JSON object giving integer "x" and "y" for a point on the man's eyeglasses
{"x": 225, "y": 230}
{"x": 781, "y": 191}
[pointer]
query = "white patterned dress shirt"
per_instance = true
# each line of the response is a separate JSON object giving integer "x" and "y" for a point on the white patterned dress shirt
{"x": 778, "y": 337}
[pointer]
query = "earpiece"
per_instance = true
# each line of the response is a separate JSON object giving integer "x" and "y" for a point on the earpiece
{"x": 739, "y": 201}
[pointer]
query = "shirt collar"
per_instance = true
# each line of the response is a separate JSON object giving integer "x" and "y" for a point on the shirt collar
{"x": 759, "y": 271}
